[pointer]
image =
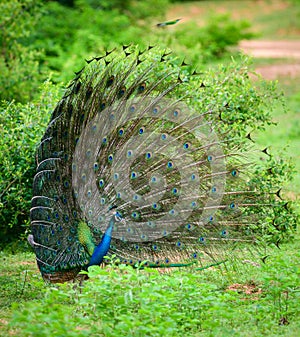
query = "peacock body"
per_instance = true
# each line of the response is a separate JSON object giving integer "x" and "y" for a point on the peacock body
{"x": 129, "y": 166}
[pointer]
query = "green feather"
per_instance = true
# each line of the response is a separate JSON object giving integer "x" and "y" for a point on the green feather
{"x": 85, "y": 237}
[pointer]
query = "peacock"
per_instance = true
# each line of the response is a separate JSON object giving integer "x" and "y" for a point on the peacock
{"x": 130, "y": 167}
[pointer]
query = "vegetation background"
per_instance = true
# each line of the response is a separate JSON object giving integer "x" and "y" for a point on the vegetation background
{"x": 42, "y": 44}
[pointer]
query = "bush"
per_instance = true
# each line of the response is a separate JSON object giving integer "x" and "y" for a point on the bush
{"x": 213, "y": 39}
{"x": 21, "y": 128}
{"x": 19, "y": 63}
{"x": 71, "y": 34}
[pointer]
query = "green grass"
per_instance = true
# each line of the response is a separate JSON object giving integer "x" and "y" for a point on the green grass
{"x": 246, "y": 301}
{"x": 285, "y": 136}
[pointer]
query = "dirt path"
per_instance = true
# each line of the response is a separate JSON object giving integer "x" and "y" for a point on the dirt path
{"x": 272, "y": 49}
{"x": 289, "y": 50}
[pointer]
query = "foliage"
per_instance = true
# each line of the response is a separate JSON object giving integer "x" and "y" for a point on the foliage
{"x": 21, "y": 127}
{"x": 134, "y": 9}
{"x": 71, "y": 34}
{"x": 213, "y": 39}
{"x": 117, "y": 301}
{"x": 19, "y": 64}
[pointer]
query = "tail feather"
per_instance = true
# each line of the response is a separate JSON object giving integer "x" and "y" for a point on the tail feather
{"x": 128, "y": 137}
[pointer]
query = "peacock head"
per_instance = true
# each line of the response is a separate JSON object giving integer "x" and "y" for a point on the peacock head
{"x": 117, "y": 216}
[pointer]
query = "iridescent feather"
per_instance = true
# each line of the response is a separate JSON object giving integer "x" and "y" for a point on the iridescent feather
{"x": 129, "y": 166}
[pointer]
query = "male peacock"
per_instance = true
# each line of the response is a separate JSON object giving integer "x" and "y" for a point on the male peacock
{"x": 129, "y": 166}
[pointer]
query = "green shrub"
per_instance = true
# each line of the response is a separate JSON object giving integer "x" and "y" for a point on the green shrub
{"x": 71, "y": 34}
{"x": 222, "y": 32}
{"x": 134, "y": 9}
{"x": 19, "y": 63}
{"x": 213, "y": 39}
{"x": 21, "y": 128}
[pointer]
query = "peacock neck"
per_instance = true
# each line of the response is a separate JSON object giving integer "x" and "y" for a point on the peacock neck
{"x": 103, "y": 247}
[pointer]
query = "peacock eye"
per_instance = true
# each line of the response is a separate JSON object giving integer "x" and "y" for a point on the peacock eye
{"x": 132, "y": 107}
{"x": 170, "y": 164}
{"x": 155, "y": 206}
{"x": 186, "y": 145}
{"x": 202, "y": 239}
{"x": 102, "y": 105}
{"x": 156, "y": 109}
{"x": 110, "y": 81}
{"x": 121, "y": 92}
{"x": 172, "y": 212}
{"x": 176, "y": 112}
{"x": 234, "y": 173}
{"x": 141, "y": 88}
{"x": 224, "y": 232}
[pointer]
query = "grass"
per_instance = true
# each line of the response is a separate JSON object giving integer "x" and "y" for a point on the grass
{"x": 249, "y": 301}
{"x": 285, "y": 136}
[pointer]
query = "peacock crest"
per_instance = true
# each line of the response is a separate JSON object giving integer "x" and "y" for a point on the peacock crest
{"x": 129, "y": 165}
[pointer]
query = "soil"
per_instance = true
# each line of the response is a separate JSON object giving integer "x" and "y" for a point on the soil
{"x": 251, "y": 291}
{"x": 288, "y": 50}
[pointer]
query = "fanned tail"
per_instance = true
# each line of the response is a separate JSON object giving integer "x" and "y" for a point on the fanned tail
{"x": 129, "y": 138}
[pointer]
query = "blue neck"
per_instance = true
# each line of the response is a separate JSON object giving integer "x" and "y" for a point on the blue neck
{"x": 101, "y": 250}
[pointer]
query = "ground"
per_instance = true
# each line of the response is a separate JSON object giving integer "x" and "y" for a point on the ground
{"x": 289, "y": 51}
